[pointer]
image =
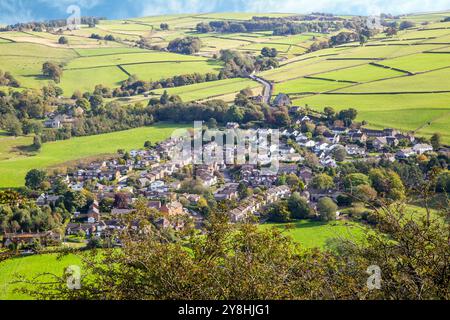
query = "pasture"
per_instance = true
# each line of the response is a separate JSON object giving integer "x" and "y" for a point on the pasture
{"x": 206, "y": 90}
{"x": 52, "y": 154}
{"x": 29, "y": 267}
{"x": 315, "y": 234}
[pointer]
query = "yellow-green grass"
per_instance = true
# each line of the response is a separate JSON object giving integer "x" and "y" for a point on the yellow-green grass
{"x": 131, "y": 58}
{"x": 30, "y": 267}
{"x": 35, "y": 50}
{"x": 361, "y": 74}
{"x": 87, "y": 79}
{"x": 384, "y": 51}
{"x": 419, "y": 62}
{"x": 13, "y": 171}
{"x": 108, "y": 51}
{"x": 217, "y": 44}
{"x": 157, "y": 71}
{"x": 313, "y": 234}
{"x": 207, "y": 90}
{"x": 28, "y": 71}
{"x": 307, "y": 68}
{"x": 430, "y": 81}
{"x": 404, "y": 111}
{"x": 303, "y": 85}
{"x": 9, "y": 146}
{"x": 441, "y": 125}
{"x": 282, "y": 48}
{"x": 426, "y": 17}
{"x": 2, "y": 40}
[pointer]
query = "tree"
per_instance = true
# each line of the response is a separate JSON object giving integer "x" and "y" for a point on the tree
{"x": 322, "y": 182}
{"x": 148, "y": 145}
{"x": 365, "y": 193}
{"x": 436, "y": 141}
{"x": 407, "y": 25}
{"x": 164, "y": 97}
{"x": 37, "y": 143}
{"x": 327, "y": 209}
{"x": 35, "y": 178}
{"x": 279, "y": 212}
{"x": 240, "y": 261}
{"x": 96, "y": 101}
{"x": 212, "y": 123}
{"x": 188, "y": 45}
{"x": 12, "y": 125}
{"x": 387, "y": 183}
{"x": 75, "y": 200}
{"x": 353, "y": 180}
{"x": 121, "y": 201}
{"x": 298, "y": 206}
{"x": 164, "y": 26}
{"x": 53, "y": 71}
{"x": 339, "y": 153}
{"x": 63, "y": 40}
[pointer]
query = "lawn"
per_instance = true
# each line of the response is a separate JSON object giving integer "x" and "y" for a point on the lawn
{"x": 314, "y": 234}
{"x": 13, "y": 171}
{"x": 30, "y": 266}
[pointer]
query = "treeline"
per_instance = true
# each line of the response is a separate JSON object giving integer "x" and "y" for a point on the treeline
{"x": 102, "y": 119}
{"x": 279, "y": 26}
{"x": 54, "y": 24}
{"x": 188, "y": 45}
{"x": 237, "y": 64}
{"x": 108, "y": 37}
{"x": 133, "y": 85}
{"x": 243, "y": 111}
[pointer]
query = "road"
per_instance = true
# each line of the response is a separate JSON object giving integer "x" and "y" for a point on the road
{"x": 268, "y": 87}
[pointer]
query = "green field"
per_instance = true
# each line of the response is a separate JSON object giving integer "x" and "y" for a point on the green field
{"x": 303, "y": 85}
{"x": 361, "y": 74}
{"x": 430, "y": 81}
{"x": 30, "y": 267}
{"x": 313, "y": 234}
{"x": 13, "y": 170}
{"x": 207, "y": 90}
{"x": 157, "y": 71}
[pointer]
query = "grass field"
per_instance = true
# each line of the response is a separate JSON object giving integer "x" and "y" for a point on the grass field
{"x": 307, "y": 85}
{"x": 30, "y": 267}
{"x": 13, "y": 170}
{"x": 361, "y": 74}
{"x": 207, "y": 90}
{"x": 430, "y": 81}
{"x": 313, "y": 234}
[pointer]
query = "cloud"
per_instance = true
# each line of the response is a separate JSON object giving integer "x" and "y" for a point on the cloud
{"x": 12, "y": 11}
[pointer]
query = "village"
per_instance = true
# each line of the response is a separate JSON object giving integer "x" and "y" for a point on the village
{"x": 175, "y": 186}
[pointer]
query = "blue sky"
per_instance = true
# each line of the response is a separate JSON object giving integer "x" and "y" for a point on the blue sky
{"x": 12, "y": 11}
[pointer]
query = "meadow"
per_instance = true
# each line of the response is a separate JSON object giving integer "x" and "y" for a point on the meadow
{"x": 316, "y": 234}
{"x": 13, "y": 170}
{"x": 202, "y": 91}
{"x": 30, "y": 267}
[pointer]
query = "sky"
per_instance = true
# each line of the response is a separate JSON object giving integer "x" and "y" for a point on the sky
{"x": 13, "y": 11}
